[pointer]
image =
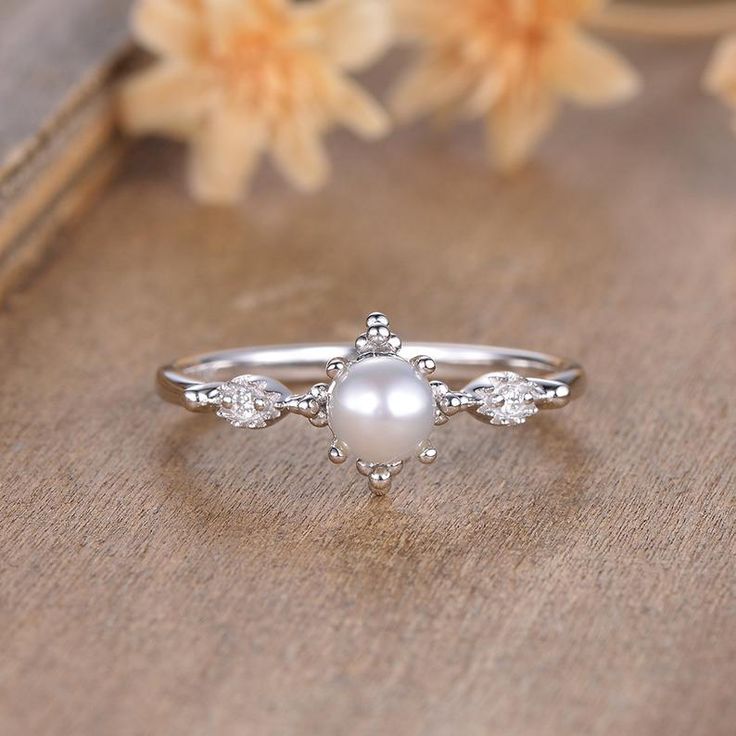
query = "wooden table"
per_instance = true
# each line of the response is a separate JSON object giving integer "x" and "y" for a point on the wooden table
{"x": 164, "y": 574}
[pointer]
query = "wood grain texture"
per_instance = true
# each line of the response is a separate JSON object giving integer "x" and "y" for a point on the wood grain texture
{"x": 164, "y": 574}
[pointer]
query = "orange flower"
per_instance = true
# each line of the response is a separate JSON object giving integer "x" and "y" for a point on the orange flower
{"x": 509, "y": 61}
{"x": 720, "y": 77}
{"x": 236, "y": 78}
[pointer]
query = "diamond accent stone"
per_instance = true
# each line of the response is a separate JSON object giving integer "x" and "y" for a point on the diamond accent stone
{"x": 246, "y": 402}
{"x": 508, "y": 398}
{"x": 439, "y": 390}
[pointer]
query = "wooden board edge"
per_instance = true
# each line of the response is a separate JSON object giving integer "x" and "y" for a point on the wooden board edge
{"x": 65, "y": 165}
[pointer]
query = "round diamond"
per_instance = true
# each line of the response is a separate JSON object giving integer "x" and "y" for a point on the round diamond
{"x": 508, "y": 398}
{"x": 245, "y": 402}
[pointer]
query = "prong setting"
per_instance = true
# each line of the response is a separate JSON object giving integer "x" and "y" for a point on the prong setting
{"x": 379, "y": 474}
{"x": 338, "y": 453}
{"x": 251, "y": 402}
{"x": 376, "y": 319}
{"x": 380, "y": 480}
{"x": 427, "y": 454}
{"x": 363, "y": 467}
{"x": 377, "y": 338}
{"x": 506, "y": 398}
{"x": 448, "y": 403}
{"x": 335, "y": 367}
{"x": 424, "y": 364}
{"x": 303, "y": 404}
{"x": 380, "y": 405}
{"x": 311, "y": 405}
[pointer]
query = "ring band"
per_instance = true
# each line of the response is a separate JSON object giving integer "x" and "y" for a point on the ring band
{"x": 380, "y": 403}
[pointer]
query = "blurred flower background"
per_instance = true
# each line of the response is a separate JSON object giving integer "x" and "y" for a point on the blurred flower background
{"x": 239, "y": 78}
{"x": 720, "y": 78}
{"x": 508, "y": 63}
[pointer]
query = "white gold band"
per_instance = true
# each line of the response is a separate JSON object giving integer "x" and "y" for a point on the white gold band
{"x": 305, "y": 363}
{"x": 380, "y": 402}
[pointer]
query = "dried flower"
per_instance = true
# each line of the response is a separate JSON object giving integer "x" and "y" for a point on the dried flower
{"x": 509, "y": 61}
{"x": 236, "y": 78}
{"x": 720, "y": 77}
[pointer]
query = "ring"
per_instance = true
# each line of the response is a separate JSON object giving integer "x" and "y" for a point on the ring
{"x": 380, "y": 404}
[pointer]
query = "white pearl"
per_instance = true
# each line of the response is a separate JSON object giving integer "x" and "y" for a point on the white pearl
{"x": 381, "y": 408}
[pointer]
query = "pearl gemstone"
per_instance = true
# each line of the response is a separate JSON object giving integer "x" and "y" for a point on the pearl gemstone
{"x": 381, "y": 408}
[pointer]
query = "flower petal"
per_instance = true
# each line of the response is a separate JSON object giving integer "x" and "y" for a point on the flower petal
{"x": 225, "y": 17}
{"x": 418, "y": 21}
{"x": 432, "y": 83}
{"x": 720, "y": 76}
{"x": 516, "y": 125}
{"x": 483, "y": 96}
{"x": 297, "y": 151}
{"x": 223, "y": 157}
{"x": 353, "y": 33}
{"x": 168, "y": 98}
{"x": 589, "y": 72}
{"x": 357, "y": 110}
{"x": 168, "y": 27}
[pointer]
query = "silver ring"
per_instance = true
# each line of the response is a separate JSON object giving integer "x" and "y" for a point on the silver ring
{"x": 380, "y": 403}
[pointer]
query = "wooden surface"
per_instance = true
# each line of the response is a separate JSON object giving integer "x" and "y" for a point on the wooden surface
{"x": 164, "y": 574}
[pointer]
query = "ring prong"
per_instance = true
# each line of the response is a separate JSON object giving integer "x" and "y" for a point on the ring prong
{"x": 304, "y": 405}
{"x": 424, "y": 364}
{"x": 335, "y": 367}
{"x": 395, "y": 342}
{"x": 319, "y": 420}
{"x": 308, "y": 407}
{"x": 452, "y": 404}
{"x": 380, "y": 480}
{"x": 338, "y": 453}
{"x": 376, "y": 319}
{"x": 427, "y": 454}
{"x": 396, "y": 467}
{"x": 378, "y": 333}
